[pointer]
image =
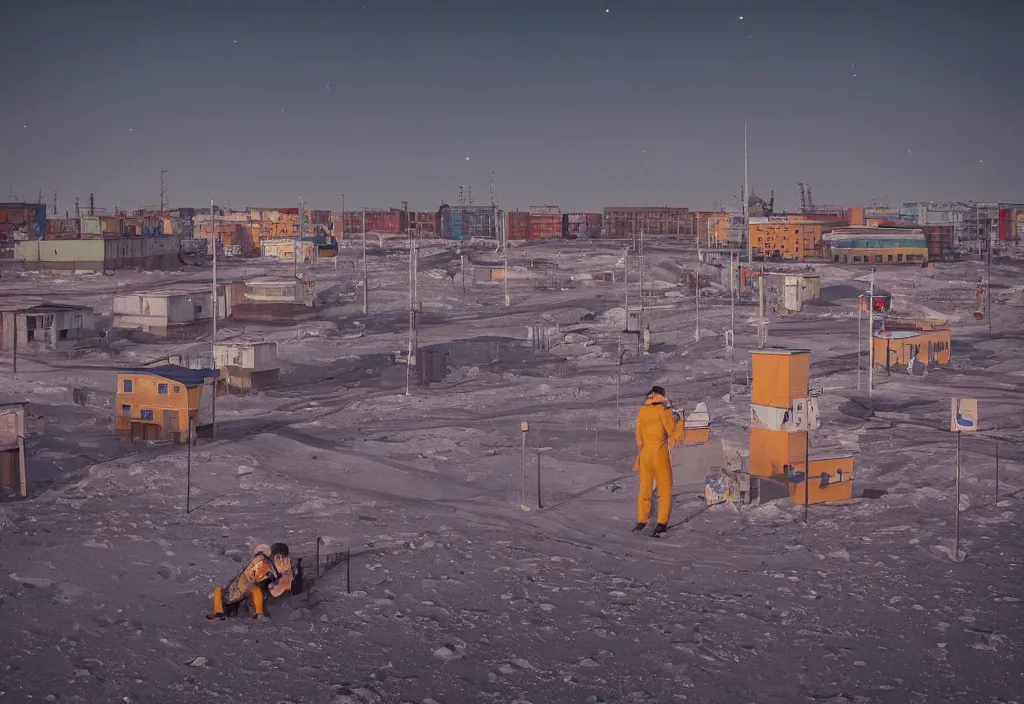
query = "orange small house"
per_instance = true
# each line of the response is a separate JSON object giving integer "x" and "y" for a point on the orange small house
{"x": 158, "y": 403}
{"x": 925, "y": 341}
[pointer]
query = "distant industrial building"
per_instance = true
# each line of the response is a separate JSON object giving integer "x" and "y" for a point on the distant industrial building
{"x": 628, "y": 222}
{"x": 52, "y": 326}
{"x": 791, "y": 238}
{"x": 873, "y": 245}
{"x": 99, "y": 255}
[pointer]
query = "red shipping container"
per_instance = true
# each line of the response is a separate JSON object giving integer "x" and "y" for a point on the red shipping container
{"x": 518, "y": 225}
{"x": 545, "y": 227}
{"x": 1005, "y": 224}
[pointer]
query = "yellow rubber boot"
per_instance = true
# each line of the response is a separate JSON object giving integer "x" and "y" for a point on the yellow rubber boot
{"x": 257, "y": 602}
{"x": 218, "y": 601}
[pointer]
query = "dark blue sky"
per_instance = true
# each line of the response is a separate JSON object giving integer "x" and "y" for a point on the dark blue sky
{"x": 262, "y": 103}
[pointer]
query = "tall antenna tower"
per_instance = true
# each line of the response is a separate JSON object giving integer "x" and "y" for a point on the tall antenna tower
{"x": 469, "y": 194}
{"x": 746, "y": 211}
{"x": 78, "y": 210}
{"x": 462, "y": 197}
{"x": 54, "y": 202}
{"x": 492, "y": 189}
{"x": 92, "y": 204}
{"x": 163, "y": 192}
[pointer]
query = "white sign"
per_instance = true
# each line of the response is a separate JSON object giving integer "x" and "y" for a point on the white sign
{"x": 963, "y": 414}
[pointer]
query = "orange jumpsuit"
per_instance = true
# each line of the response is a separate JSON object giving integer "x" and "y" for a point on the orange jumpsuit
{"x": 657, "y": 432}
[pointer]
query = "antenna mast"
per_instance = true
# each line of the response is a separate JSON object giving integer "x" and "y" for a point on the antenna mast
{"x": 746, "y": 213}
{"x": 163, "y": 192}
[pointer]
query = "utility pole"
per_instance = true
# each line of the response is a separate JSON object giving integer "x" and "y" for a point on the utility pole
{"x": 696, "y": 300}
{"x": 988, "y": 285}
{"x": 505, "y": 277}
{"x": 860, "y": 338}
{"x": 366, "y": 281}
{"x": 732, "y": 294}
{"x": 871, "y": 338}
{"x": 163, "y": 192}
{"x": 216, "y": 306}
{"x": 640, "y": 264}
{"x": 411, "y": 359}
{"x": 342, "y": 215}
{"x": 746, "y": 212}
{"x": 295, "y": 245}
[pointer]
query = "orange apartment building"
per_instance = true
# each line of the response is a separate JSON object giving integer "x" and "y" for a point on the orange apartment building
{"x": 158, "y": 403}
{"x": 794, "y": 239}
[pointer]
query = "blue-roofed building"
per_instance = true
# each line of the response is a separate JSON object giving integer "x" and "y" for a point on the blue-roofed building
{"x": 161, "y": 403}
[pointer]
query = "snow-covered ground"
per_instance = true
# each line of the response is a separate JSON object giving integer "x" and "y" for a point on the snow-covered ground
{"x": 459, "y": 595}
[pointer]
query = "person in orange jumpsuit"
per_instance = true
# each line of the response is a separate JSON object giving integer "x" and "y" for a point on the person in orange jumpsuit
{"x": 269, "y": 570}
{"x": 658, "y": 430}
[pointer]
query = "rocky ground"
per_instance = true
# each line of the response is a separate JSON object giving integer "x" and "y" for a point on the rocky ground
{"x": 453, "y": 592}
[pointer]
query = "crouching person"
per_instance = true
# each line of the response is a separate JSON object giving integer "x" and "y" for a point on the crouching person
{"x": 268, "y": 572}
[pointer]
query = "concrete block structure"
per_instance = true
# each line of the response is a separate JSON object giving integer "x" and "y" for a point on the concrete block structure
{"x": 177, "y": 314}
{"x": 52, "y": 326}
{"x": 247, "y": 366}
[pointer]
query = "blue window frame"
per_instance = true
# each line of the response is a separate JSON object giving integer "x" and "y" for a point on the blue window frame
{"x": 127, "y": 386}
{"x": 161, "y": 389}
{"x": 146, "y": 414}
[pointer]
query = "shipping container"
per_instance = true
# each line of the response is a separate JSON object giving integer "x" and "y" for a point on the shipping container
{"x": 22, "y": 221}
{"x": 462, "y": 222}
{"x": 518, "y": 227}
{"x": 576, "y": 225}
{"x": 424, "y": 223}
{"x": 622, "y": 222}
{"x": 545, "y": 226}
{"x": 1005, "y": 225}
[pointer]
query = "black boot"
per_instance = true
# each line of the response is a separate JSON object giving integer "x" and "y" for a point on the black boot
{"x": 639, "y": 527}
{"x": 660, "y": 529}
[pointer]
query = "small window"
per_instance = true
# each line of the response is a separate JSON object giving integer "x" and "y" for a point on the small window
{"x": 126, "y": 410}
{"x": 890, "y": 258}
{"x": 126, "y": 386}
{"x": 878, "y": 259}
{"x": 146, "y": 414}
{"x": 161, "y": 389}
{"x": 899, "y": 257}
{"x": 77, "y": 322}
{"x": 62, "y": 334}
{"x": 177, "y": 389}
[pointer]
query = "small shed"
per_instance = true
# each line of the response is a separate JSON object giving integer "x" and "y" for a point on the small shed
{"x": 912, "y": 346}
{"x": 247, "y": 366}
{"x": 789, "y": 291}
{"x": 53, "y": 326}
{"x": 13, "y": 474}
